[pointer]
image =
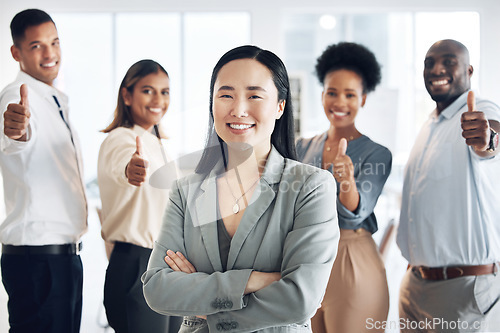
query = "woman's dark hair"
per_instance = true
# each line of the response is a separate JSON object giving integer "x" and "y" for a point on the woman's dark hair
{"x": 25, "y": 19}
{"x": 282, "y": 137}
{"x": 353, "y": 57}
{"x": 123, "y": 114}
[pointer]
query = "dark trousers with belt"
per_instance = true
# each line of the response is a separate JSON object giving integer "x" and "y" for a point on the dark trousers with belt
{"x": 45, "y": 291}
{"x": 126, "y": 308}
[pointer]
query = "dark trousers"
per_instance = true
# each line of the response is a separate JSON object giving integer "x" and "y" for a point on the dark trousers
{"x": 45, "y": 292}
{"x": 126, "y": 308}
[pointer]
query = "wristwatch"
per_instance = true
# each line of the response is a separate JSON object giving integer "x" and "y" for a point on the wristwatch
{"x": 493, "y": 141}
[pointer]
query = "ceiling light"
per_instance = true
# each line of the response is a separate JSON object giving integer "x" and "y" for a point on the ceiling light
{"x": 327, "y": 22}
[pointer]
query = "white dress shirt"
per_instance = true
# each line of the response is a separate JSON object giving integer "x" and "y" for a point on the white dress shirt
{"x": 450, "y": 208}
{"x": 44, "y": 190}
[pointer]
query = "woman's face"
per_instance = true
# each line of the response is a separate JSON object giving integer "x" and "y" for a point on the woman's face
{"x": 342, "y": 97}
{"x": 245, "y": 104}
{"x": 149, "y": 99}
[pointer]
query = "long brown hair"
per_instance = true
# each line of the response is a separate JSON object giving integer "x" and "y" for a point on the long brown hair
{"x": 123, "y": 114}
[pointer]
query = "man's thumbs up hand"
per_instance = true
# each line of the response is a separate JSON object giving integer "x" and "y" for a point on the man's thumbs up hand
{"x": 17, "y": 117}
{"x": 475, "y": 126}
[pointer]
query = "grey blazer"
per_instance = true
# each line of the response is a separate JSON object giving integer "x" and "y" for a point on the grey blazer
{"x": 290, "y": 226}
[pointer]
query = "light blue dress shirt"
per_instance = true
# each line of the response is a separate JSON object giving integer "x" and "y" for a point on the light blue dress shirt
{"x": 450, "y": 213}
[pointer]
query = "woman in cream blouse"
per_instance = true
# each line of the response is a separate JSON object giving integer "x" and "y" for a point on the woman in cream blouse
{"x": 131, "y": 207}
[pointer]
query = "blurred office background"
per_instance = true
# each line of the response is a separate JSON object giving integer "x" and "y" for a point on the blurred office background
{"x": 101, "y": 39}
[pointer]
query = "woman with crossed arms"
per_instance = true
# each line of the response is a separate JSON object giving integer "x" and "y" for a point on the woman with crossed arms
{"x": 248, "y": 240}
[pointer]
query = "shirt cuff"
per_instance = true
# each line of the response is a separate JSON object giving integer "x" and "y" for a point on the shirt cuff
{"x": 11, "y": 146}
{"x": 351, "y": 219}
{"x": 481, "y": 158}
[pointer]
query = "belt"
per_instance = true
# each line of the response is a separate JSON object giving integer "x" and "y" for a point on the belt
{"x": 67, "y": 249}
{"x": 446, "y": 273}
{"x": 125, "y": 247}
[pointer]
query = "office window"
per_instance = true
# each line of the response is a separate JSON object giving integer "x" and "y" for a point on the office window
{"x": 444, "y": 26}
{"x": 396, "y": 110}
{"x": 207, "y": 36}
{"x": 98, "y": 48}
{"x": 155, "y": 36}
{"x": 87, "y": 77}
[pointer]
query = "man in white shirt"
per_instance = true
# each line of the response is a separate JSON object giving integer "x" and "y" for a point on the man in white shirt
{"x": 449, "y": 229}
{"x": 43, "y": 187}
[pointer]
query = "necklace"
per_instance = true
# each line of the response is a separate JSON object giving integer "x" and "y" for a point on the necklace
{"x": 236, "y": 207}
{"x": 328, "y": 148}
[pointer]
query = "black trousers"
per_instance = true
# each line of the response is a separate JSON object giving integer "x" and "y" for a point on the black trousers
{"x": 45, "y": 292}
{"x": 126, "y": 308}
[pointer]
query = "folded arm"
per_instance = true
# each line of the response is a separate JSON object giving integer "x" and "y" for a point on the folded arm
{"x": 226, "y": 297}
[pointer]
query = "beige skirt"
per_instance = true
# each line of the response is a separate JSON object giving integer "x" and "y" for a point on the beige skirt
{"x": 357, "y": 291}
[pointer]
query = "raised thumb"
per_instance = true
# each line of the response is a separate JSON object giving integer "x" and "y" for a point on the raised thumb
{"x": 471, "y": 102}
{"x": 138, "y": 144}
{"x": 24, "y": 95}
{"x": 342, "y": 147}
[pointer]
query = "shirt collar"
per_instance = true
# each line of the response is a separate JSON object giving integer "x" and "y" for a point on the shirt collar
{"x": 453, "y": 108}
{"x": 41, "y": 88}
{"x": 274, "y": 167}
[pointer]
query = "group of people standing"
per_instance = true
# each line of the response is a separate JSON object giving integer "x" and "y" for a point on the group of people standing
{"x": 269, "y": 233}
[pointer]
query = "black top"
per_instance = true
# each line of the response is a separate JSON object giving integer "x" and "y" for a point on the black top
{"x": 224, "y": 241}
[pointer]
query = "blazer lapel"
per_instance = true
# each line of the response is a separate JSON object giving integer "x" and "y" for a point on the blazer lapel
{"x": 261, "y": 199}
{"x": 206, "y": 219}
